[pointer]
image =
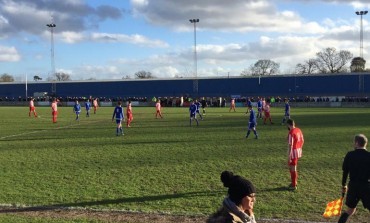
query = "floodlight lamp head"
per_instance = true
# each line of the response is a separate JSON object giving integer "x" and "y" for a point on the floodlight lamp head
{"x": 365, "y": 12}
{"x": 357, "y": 13}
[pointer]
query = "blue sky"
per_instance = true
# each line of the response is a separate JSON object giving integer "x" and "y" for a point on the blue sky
{"x": 112, "y": 39}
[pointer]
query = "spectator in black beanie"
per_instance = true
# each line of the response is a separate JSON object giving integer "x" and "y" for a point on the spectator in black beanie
{"x": 237, "y": 207}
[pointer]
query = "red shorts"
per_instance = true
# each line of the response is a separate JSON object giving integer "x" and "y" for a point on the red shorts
{"x": 267, "y": 114}
{"x": 129, "y": 116}
{"x": 32, "y": 108}
{"x": 54, "y": 113}
{"x": 293, "y": 162}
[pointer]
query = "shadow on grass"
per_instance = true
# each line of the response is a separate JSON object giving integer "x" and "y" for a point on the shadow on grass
{"x": 110, "y": 201}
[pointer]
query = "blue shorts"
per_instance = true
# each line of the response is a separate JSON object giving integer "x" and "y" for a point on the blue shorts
{"x": 78, "y": 112}
{"x": 251, "y": 125}
{"x": 287, "y": 113}
{"x": 192, "y": 115}
{"x": 259, "y": 109}
{"x": 118, "y": 121}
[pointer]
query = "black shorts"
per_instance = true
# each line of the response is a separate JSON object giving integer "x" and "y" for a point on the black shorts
{"x": 357, "y": 192}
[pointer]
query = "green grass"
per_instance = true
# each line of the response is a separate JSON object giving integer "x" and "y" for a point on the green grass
{"x": 163, "y": 165}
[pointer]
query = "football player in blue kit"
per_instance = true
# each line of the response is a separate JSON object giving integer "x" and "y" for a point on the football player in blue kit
{"x": 77, "y": 110}
{"x": 118, "y": 115}
{"x": 198, "y": 104}
{"x": 193, "y": 113}
{"x": 252, "y": 122}
{"x": 87, "y": 107}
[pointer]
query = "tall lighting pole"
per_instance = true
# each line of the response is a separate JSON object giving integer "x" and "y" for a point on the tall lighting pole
{"x": 52, "y": 26}
{"x": 361, "y": 13}
{"x": 195, "y": 83}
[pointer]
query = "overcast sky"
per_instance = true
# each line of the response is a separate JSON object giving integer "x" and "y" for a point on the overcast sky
{"x": 112, "y": 39}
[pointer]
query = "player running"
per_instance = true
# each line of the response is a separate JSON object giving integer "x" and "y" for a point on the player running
{"x": 193, "y": 112}
{"x": 287, "y": 111}
{"x": 129, "y": 115}
{"x": 118, "y": 115}
{"x": 252, "y": 122}
{"x": 87, "y": 107}
{"x": 32, "y": 108}
{"x": 54, "y": 110}
{"x": 295, "y": 145}
{"x": 77, "y": 110}
{"x": 158, "y": 108}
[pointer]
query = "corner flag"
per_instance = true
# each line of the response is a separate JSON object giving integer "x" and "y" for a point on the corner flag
{"x": 333, "y": 208}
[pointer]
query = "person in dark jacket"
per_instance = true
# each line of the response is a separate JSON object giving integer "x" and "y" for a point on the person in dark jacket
{"x": 356, "y": 164}
{"x": 238, "y": 206}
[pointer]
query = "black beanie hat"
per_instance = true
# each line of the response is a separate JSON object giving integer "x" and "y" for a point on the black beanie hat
{"x": 239, "y": 187}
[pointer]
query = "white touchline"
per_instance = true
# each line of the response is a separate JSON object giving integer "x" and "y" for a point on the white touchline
{"x": 29, "y": 133}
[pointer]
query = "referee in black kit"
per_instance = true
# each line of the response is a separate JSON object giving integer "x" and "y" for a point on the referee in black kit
{"x": 357, "y": 164}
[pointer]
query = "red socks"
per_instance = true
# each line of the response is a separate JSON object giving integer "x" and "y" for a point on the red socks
{"x": 294, "y": 177}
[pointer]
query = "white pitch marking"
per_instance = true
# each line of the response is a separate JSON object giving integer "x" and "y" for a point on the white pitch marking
{"x": 29, "y": 133}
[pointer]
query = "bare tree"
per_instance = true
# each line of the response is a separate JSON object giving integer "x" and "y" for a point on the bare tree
{"x": 264, "y": 67}
{"x": 62, "y": 77}
{"x": 178, "y": 76}
{"x": 37, "y": 78}
{"x": 6, "y": 78}
{"x": 245, "y": 72}
{"x": 331, "y": 61}
{"x": 143, "y": 75}
{"x": 307, "y": 67}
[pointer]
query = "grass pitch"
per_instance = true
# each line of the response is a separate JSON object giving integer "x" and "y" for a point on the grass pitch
{"x": 164, "y": 165}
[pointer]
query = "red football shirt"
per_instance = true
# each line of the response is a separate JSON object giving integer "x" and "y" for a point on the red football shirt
{"x": 295, "y": 141}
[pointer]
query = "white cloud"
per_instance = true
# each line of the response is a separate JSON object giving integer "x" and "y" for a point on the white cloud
{"x": 168, "y": 65}
{"x": 133, "y": 39}
{"x": 360, "y": 5}
{"x": 3, "y": 21}
{"x": 97, "y": 72}
{"x": 9, "y": 54}
{"x": 165, "y": 71}
{"x": 273, "y": 32}
{"x": 139, "y": 2}
{"x": 70, "y": 72}
{"x": 71, "y": 37}
{"x": 213, "y": 59}
{"x": 69, "y": 15}
{"x": 240, "y": 16}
